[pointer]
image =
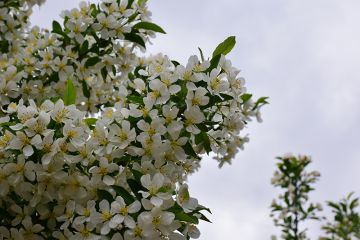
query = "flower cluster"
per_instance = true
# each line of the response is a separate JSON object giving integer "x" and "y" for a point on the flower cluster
{"x": 97, "y": 142}
{"x": 95, "y": 48}
{"x": 293, "y": 207}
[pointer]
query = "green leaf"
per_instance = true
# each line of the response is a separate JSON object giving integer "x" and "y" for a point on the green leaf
{"x": 85, "y": 89}
{"x": 137, "y": 174}
{"x": 246, "y": 97}
{"x": 189, "y": 150}
{"x": 135, "y": 188}
{"x": 70, "y": 93}
{"x": 214, "y": 62}
{"x": 176, "y": 63}
{"x": 203, "y": 139}
{"x": 260, "y": 102}
{"x": 91, "y": 61}
{"x": 120, "y": 191}
{"x": 94, "y": 10}
{"x": 225, "y": 47}
{"x": 7, "y": 124}
{"x": 200, "y": 208}
{"x": 140, "y": 2}
{"x": 102, "y": 194}
{"x": 181, "y": 216}
{"x": 135, "y": 99}
{"x": 90, "y": 121}
{"x": 201, "y": 54}
{"x": 4, "y": 46}
{"x": 202, "y": 127}
{"x": 149, "y": 26}
{"x": 84, "y": 47}
{"x": 57, "y": 28}
{"x": 132, "y": 37}
{"x": 130, "y": 3}
{"x": 226, "y": 97}
{"x": 203, "y": 217}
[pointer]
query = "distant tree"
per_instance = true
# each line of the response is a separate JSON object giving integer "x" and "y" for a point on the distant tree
{"x": 293, "y": 206}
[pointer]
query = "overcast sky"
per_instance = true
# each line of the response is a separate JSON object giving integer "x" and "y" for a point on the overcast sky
{"x": 304, "y": 55}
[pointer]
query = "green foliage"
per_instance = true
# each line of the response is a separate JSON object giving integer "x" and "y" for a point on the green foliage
{"x": 222, "y": 49}
{"x": 345, "y": 223}
{"x": 70, "y": 93}
{"x": 225, "y": 47}
{"x": 293, "y": 205}
{"x": 149, "y": 26}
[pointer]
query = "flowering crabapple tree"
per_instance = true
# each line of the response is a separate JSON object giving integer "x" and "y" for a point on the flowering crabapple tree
{"x": 96, "y": 139}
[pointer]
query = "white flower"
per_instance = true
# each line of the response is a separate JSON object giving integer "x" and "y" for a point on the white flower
{"x": 103, "y": 217}
{"x": 159, "y": 94}
{"x": 176, "y": 143}
{"x": 25, "y": 113}
{"x": 61, "y": 113}
{"x": 100, "y": 138}
{"x": 121, "y": 212}
{"x": 62, "y": 68}
{"x": 84, "y": 213}
{"x": 141, "y": 230}
{"x": 215, "y": 81}
{"x": 74, "y": 134}
{"x": 153, "y": 186}
{"x": 20, "y": 169}
{"x": 4, "y": 184}
{"x": 156, "y": 127}
{"x": 37, "y": 125}
{"x": 68, "y": 216}
{"x": 193, "y": 116}
{"x": 77, "y": 28}
{"x": 5, "y": 139}
{"x": 104, "y": 25}
{"x": 192, "y": 231}
{"x": 184, "y": 200}
{"x": 197, "y": 98}
{"x": 123, "y": 136}
{"x": 22, "y": 142}
{"x": 20, "y": 213}
{"x": 31, "y": 231}
{"x": 12, "y": 234}
{"x": 84, "y": 232}
{"x": 103, "y": 170}
{"x": 169, "y": 80}
{"x": 158, "y": 218}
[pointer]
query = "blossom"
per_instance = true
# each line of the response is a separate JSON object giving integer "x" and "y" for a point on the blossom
{"x": 197, "y": 97}
{"x": 184, "y": 200}
{"x": 123, "y": 136}
{"x": 103, "y": 216}
{"x": 104, "y": 170}
{"x": 121, "y": 211}
{"x": 62, "y": 68}
{"x": 193, "y": 116}
{"x": 37, "y": 125}
{"x": 158, "y": 218}
{"x": 68, "y": 216}
{"x": 31, "y": 231}
{"x": 84, "y": 232}
{"x": 153, "y": 185}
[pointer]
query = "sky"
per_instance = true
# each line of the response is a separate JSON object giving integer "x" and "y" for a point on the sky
{"x": 304, "y": 55}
